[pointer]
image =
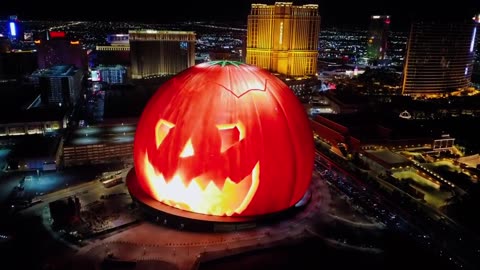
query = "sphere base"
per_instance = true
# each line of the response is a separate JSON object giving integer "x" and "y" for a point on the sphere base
{"x": 185, "y": 220}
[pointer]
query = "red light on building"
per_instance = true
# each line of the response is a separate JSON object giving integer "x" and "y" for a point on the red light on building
{"x": 225, "y": 139}
{"x": 56, "y": 34}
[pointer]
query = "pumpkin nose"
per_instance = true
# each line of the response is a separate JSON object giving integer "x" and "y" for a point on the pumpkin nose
{"x": 202, "y": 154}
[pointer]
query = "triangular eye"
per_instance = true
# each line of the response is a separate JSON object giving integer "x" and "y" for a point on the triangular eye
{"x": 161, "y": 131}
{"x": 231, "y": 134}
{"x": 188, "y": 150}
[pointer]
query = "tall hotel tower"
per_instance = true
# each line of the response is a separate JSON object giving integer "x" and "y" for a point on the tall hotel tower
{"x": 157, "y": 53}
{"x": 283, "y": 38}
{"x": 377, "y": 43}
{"x": 440, "y": 57}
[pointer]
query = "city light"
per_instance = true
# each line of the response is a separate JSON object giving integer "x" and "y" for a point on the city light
{"x": 472, "y": 43}
{"x": 221, "y": 159}
{"x": 57, "y": 34}
{"x": 476, "y": 18}
{"x": 13, "y": 29}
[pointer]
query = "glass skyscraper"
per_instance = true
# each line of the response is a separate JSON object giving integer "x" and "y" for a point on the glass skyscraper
{"x": 440, "y": 57}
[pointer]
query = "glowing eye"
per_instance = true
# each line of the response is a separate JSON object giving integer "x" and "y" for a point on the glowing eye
{"x": 161, "y": 131}
{"x": 231, "y": 134}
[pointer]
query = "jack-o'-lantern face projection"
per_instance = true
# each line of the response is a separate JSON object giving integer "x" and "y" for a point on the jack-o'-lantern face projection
{"x": 224, "y": 138}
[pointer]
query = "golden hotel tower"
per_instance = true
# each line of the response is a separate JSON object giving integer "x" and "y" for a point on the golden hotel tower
{"x": 283, "y": 38}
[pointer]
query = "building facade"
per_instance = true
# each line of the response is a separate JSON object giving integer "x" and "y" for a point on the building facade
{"x": 106, "y": 143}
{"x": 59, "y": 85}
{"x": 96, "y": 154}
{"x": 158, "y": 53}
{"x": 440, "y": 57}
{"x": 27, "y": 127}
{"x": 377, "y": 43}
{"x": 283, "y": 38}
{"x": 112, "y": 74}
{"x": 110, "y": 55}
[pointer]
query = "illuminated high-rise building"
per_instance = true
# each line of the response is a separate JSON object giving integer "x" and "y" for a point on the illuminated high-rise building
{"x": 283, "y": 38}
{"x": 377, "y": 42}
{"x": 156, "y": 53}
{"x": 14, "y": 28}
{"x": 59, "y": 85}
{"x": 110, "y": 74}
{"x": 59, "y": 49}
{"x": 440, "y": 57}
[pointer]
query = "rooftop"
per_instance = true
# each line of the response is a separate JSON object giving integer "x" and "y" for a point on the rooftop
{"x": 15, "y": 105}
{"x": 389, "y": 157}
{"x": 135, "y": 98}
{"x": 35, "y": 114}
{"x": 14, "y": 96}
{"x": 368, "y": 126}
{"x": 45, "y": 146}
{"x": 102, "y": 134}
{"x": 55, "y": 71}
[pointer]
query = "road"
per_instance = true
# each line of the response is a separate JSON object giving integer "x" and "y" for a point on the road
{"x": 87, "y": 192}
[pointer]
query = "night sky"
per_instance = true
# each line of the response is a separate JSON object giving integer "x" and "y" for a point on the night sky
{"x": 333, "y": 12}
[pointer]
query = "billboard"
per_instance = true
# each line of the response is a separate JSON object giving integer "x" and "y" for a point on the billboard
{"x": 56, "y": 34}
{"x": 95, "y": 75}
{"x": 118, "y": 39}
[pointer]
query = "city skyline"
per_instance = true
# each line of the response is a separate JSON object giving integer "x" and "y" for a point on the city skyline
{"x": 333, "y": 13}
{"x": 231, "y": 135}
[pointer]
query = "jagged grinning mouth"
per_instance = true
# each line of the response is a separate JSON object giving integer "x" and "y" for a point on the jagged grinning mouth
{"x": 202, "y": 195}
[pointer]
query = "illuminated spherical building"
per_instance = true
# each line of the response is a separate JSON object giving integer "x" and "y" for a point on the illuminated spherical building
{"x": 222, "y": 141}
